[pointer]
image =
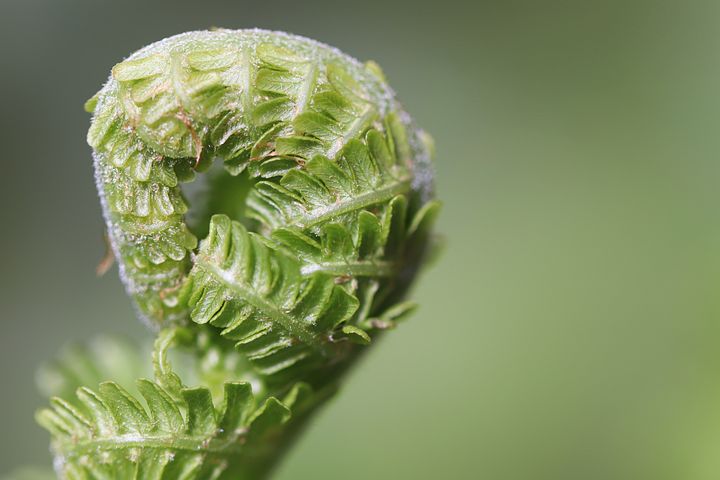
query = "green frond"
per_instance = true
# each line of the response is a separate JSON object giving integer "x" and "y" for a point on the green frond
{"x": 167, "y": 430}
{"x": 372, "y": 249}
{"x": 115, "y": 435}
{"x": 247, "y": 101}
{"x": 260, "y": 100}
{"x": 304, "y": 259}
{"x": 339, "y": 252}
{"x": 326, "y": 190}
{"x": 258, "y": 296}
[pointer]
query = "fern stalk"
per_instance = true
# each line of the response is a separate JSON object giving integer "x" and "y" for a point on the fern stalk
{"x": 313, "y": 231}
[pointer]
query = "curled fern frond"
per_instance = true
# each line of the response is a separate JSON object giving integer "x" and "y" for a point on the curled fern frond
{"x": 312, "y": 232}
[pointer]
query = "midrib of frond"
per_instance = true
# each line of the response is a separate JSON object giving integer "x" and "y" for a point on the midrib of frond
{"x": 246, "y": 293}
{"x": 308, "y": 85}
{"x": 350, "y": 204}
{"x": 353, "y": 130}
{"x": 171, "y": 442}
{"x": 353, "y": 268}
{"x": 176, "y": 81}
{"x": 244, "y": 80}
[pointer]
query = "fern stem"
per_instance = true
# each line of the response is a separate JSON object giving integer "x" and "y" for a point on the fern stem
{"x": 352, "y": 269}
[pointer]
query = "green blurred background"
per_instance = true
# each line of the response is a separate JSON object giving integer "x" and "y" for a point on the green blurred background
{"x": 570, "y": 331}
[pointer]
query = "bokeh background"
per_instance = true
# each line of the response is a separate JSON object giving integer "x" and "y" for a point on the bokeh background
{"x": 571, "y": 328}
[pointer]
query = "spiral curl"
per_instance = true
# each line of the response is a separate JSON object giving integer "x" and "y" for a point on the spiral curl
{"x": 326, "y": 210}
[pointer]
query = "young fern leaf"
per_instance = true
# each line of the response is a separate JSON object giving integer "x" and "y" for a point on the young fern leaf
{"x": 259, "y": 297}
{"x": 113, "y": 435}
{"x": 273, "y": 305}
{"x": 170, "y": 431}
{"x": 329, "y": 190}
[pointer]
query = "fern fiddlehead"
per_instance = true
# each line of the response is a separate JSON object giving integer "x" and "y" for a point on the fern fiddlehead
{"x": 313, "y": 232}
